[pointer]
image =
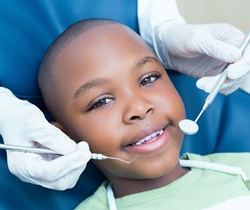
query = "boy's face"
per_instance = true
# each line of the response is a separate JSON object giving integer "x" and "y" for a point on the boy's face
{"x": 113, "y": 93}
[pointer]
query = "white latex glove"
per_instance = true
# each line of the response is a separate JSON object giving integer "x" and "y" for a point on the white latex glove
{"x": 23, "y": 124}
{"x": 236, "y": 74}
{"x": 202, "y": 51}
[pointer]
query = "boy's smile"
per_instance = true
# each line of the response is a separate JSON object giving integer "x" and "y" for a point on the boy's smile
{"x": 116, "y": 95}
{"x": 148, "y": 140}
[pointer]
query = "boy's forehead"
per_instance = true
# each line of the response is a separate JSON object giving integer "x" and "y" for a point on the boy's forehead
{"x": 103, "y": 33}
{"x": 100, "y": 41}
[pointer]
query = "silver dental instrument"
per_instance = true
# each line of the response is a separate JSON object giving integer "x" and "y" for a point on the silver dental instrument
{"x": 94, "y": 156}
{"x": 222, "y": 79}
{"x": 191, "y": 127}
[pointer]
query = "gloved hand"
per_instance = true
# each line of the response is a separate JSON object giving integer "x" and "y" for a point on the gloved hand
{"x": 202, "y": 51}
{"x": 22, "y": 123}
{"x": 236, "y": 74}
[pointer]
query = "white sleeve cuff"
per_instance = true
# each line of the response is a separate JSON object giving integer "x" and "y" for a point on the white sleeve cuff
{"x": 153, "y": 12}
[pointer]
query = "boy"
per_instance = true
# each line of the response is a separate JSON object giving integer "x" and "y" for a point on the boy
{"x": 105, "y": 86}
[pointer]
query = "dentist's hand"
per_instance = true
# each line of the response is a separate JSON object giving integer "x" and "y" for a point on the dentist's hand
{"x": 236, "y": 74}
{"x": 202, "y": 51}
{"x": 23, "y": 124}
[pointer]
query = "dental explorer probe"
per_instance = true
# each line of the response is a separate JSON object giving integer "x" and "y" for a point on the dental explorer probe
{"x": 94, "y": 156}
{"x": 191, "y": 127}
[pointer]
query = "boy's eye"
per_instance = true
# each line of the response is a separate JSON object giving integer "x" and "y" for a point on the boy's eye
{"x": 149, "y": 79}
{"x": 100, "y": 103}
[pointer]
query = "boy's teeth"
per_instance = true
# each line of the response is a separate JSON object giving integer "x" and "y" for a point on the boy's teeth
{"x": 154, "y": 134}
{"x": 147, "y": 138}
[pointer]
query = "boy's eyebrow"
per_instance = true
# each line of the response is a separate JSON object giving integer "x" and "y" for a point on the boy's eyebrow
{"x": 97, "y": 82}
{"x": 145, "y": 60}
{"x": 90, "y": 84}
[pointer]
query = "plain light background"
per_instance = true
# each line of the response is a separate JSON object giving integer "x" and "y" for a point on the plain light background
{"x": 235, "y": 12}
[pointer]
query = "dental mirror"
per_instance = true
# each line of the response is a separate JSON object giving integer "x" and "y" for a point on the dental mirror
{"x": 189, "y": 127}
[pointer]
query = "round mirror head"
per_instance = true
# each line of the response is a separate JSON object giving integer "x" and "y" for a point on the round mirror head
{"x": 188, "y": 126}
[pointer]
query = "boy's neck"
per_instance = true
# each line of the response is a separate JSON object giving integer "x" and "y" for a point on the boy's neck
{"x": 123, "y": 187}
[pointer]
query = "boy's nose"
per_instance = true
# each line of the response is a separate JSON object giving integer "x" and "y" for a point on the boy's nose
{"x": 137, "y": 109}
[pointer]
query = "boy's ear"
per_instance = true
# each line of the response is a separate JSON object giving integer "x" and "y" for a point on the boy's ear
{"x": 60, "y": 126}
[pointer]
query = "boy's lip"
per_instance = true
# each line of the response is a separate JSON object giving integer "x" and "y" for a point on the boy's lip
{"x": 149, "y": 140}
